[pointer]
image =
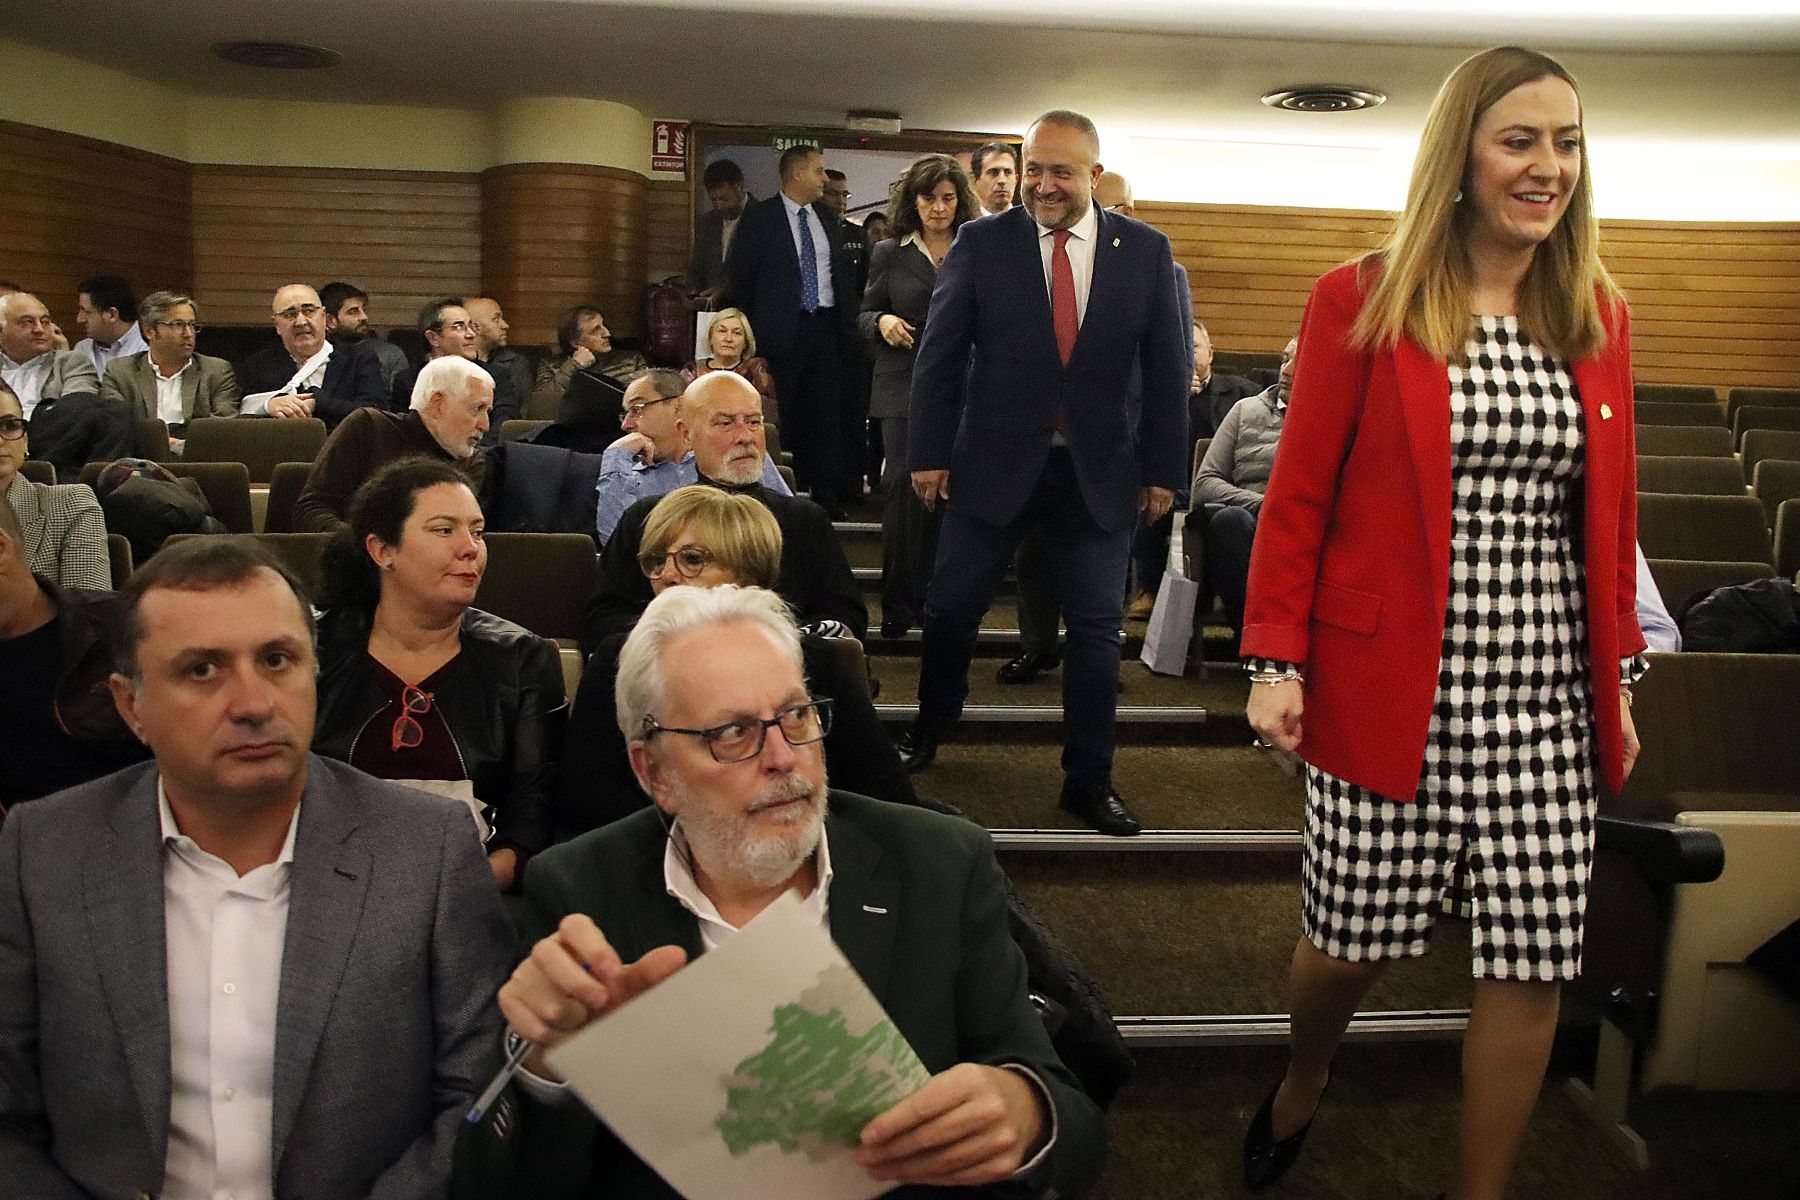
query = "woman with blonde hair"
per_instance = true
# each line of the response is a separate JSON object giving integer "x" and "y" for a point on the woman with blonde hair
{"x": 699, "y": 536}
{"x": 1441, "y": 604}
{"x": 731, "y": 346}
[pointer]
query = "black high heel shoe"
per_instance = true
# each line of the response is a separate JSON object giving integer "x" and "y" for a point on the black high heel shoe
{"x": 1265, "y": 1159}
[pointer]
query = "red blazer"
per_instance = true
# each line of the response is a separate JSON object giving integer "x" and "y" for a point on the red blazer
{"x": 1350, "y": 571}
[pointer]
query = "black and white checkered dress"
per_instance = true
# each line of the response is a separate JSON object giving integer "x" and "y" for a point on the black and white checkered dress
{"x": 1501, "y": 829}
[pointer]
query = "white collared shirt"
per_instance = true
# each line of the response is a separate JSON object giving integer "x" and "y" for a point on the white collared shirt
{"x": 727, "y": 231}
{"x": 225, "y": 935}
{"x": 26, "y": 379}
{"x": 130, "y": 342}
{"x": 169, "y": 406}
{"x": 821, "y": 247}
{"x": 1080, "y": 249}
{"x": 914, "y": 240}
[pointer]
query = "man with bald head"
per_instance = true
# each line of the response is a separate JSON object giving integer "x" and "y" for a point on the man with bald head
{"x": 307, "y": 375}
{"x": 1050, "y": 391}
{"x": 58, "y": 390}
{"x": 721, "y": 421}
{"x": 653, "y": 457}
{"x": 491, "y": 349}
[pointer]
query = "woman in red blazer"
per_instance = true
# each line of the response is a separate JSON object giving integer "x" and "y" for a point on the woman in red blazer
{"x": 1441, "y": 593}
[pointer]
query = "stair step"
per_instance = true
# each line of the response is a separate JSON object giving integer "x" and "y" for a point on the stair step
{"x": 1183, "y": 840}
{"x": 1034, "y": 714}
{"x": 1271, "y": 1029}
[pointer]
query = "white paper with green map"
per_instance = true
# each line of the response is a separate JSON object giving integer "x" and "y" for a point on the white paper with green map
{"x": 751, "y": 1071}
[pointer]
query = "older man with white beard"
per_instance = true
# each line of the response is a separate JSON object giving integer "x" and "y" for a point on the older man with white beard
{"x": 721, "y": 422}
{"x": 726, "y": 739}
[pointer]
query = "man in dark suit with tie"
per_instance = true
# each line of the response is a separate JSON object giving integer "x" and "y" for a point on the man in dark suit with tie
{"x": 785, "y": 271}
{"x": 1024, "y": 415}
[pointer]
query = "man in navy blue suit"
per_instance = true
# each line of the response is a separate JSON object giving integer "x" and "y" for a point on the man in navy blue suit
{"x": 802, "y": 297}
{"x": 1024, "y": 415}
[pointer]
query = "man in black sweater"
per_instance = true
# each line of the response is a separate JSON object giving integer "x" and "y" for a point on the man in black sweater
{"x": 721, "y": 417}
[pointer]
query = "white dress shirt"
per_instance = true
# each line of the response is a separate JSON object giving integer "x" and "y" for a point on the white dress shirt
{"x": 1658, "y": 626}
{"x": 727, "y": 231}
{"x": 169, "y": 406}
{"x": 130, "y": 342}
{"x": 27, "y": 379}
{"x": 225, "y": 937}
{"x": 1080, "y": 249}
{"x": 821, "y": 247}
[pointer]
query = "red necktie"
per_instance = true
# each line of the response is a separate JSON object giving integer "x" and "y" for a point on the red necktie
{"x": 1062, "y": 296}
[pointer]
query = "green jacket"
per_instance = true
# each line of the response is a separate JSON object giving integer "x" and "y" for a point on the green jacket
{"x": 917, "y": 905}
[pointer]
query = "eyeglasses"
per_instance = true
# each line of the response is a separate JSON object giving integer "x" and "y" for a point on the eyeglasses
{"x": 183, "y": 326}
{"x": 689, "y": 561}
{"x": 456, "y": 327}
{"x": 408, "y": 733}
{"x": 309, "y": 311}
{"x": 635, "y": 411}
{"x": 737, "y": 741}
{"x": 13, "y": 428}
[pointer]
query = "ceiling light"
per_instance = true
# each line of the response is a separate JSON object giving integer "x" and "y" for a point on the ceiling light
{"x": 1323, "y": 98}
{"x": 281, "y": 56}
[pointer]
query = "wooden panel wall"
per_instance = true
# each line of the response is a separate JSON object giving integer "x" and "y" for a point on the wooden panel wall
{"x": 669, "y": 227}
{"x": 404, "y": 237}
{"x": 73, "y": 206}
{"x": 1712, "y": 303}
{"x": 556, "y": 234}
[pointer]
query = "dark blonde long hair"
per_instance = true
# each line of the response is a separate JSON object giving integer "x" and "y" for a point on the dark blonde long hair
{"x": 1421, "y": 274}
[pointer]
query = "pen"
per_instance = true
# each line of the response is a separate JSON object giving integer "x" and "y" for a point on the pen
{"x": 502, "y": 1077}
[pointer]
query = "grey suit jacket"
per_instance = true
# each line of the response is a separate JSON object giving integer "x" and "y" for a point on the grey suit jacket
{"x": 70, "y": 374}
{"x": 209, "y": 389}
{"x": 65, "y": 532}
{"x": 386, "y": 1024}
{"x": 900, "y": 282}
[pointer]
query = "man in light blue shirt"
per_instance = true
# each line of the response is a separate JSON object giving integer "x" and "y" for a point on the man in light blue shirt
{"x": 653, "y": 457}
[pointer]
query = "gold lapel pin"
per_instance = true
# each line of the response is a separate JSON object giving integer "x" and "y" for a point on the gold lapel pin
{"x": 1606, "y": 412}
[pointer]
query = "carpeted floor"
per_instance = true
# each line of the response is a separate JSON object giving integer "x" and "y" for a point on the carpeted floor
{"x": 1223, "y": 691}
{"x": 1387, "y": 1131}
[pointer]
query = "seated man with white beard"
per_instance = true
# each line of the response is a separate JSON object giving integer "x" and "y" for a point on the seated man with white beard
{"x": 726, "y": 739}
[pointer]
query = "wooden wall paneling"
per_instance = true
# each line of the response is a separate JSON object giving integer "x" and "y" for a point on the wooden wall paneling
{"x": 668, "y": 227}
{"x": 405, "y": 237}
{"x": 557, "y": 234}
{"x": 74, "y": 206}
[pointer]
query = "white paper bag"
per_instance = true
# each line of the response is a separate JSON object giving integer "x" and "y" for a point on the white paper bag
{"x": 1171, "y": 626}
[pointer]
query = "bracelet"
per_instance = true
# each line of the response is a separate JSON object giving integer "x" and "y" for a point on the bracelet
{"x": 1625, "y": 694}
{"x": 1271, "y": 678}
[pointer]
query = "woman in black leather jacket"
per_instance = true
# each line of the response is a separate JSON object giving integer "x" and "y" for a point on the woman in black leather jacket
{"x": 416, "y": 685}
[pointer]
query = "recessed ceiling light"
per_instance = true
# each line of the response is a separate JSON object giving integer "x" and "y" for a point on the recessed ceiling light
{"x": 281, "y": 56}
{"x": 1323, "y": 98}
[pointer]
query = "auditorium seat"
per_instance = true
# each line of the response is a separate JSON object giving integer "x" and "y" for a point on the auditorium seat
{"x": 1703, "y": 528}
{"x": 1683, "y": 439}
{"x": 1756, "y": 416}
{"x": 118, "y": 557}
{"x": 1674, "y": 393}
{"x": 1245, "y": 363}
{"x": 412, "y": 342}
{"x": 1691, "y": 475}
{"x": 1787, "y": 539}
{"x": 258, "y": 442}
{"x": 1777, "y": 479}
{"x": 285, "y": 485}
{"x": 788, "y": 477}
{"x": 1680, "y": 581}
{"x": 1761, "y": 398}
{"x": 38, "y": 471}
{"x": 150, "y": 439}
{"x": 1769, "y": 443}
{"x": 540, "y": 580}
{"x": 1705, "y": 412}
{"x": 298, "y": 552}
{"x": 512, "y": 431}
{"x": 225, "y": 485}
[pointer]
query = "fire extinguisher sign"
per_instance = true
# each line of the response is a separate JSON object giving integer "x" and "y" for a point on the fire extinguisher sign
{"x": 668, "y": 146}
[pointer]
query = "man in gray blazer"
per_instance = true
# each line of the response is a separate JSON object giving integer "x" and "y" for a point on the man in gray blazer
{"x": 713, "y": 229}
{"x": 240, "y": 969}
{"x": 169, "y": 381}
{"x": 58, "y": 390}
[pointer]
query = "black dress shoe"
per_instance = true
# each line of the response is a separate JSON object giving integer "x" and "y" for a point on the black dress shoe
{"x": 1102, "y": 808}
{"x": 1028, "y": 666}
{"x": 918, "y": 748}
{"x": 895, "y": 628}
{"x": 1265, "y": 1159}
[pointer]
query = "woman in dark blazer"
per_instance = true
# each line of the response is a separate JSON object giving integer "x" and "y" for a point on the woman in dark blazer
{"x": 701, "y": 536}
{"x": 1441, "y": 603}
{"x": 931, "y": 201}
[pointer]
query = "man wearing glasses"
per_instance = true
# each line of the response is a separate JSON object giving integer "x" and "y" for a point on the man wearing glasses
{"x": 168, "y": 381}
{"x": 725, "y": 738}
{"x": 307, "y": 375}
{"x": 653, "y": 458}
{"x": 720, "y": 419}
{"x": 451, "y": 332}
